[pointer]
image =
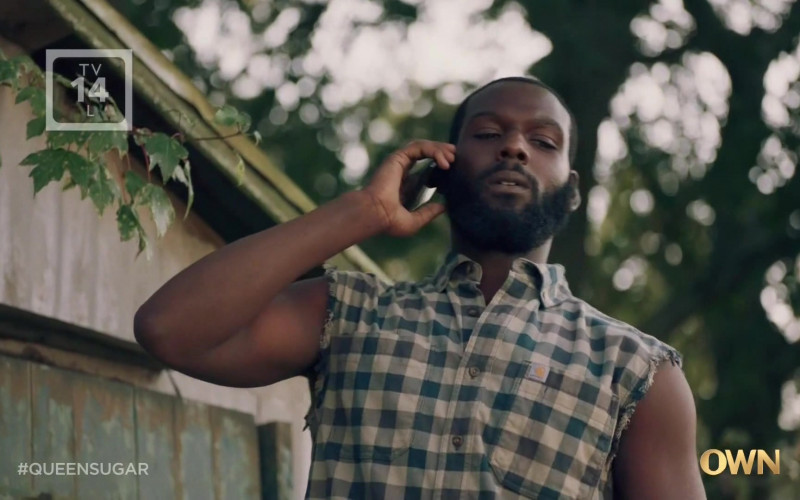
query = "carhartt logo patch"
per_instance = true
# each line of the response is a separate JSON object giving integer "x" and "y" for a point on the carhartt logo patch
{"x": 538, "y": 372}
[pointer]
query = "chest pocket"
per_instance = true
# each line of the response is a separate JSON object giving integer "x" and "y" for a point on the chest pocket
{"x": 373, "y": 397}
{"x": 553, "y": 440}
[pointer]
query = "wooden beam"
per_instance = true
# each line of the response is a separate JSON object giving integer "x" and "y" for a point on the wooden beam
{"x": 18, "y": 324}
{"x": 275, "y": 446}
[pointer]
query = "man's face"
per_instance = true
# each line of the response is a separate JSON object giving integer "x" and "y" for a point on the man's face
{"x": 511, "y": 188}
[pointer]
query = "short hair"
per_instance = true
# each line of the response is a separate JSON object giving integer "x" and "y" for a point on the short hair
{"x": 458, "y": 118}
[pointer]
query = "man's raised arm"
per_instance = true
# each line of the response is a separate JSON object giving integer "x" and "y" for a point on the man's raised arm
{"x": 237, "y": 317}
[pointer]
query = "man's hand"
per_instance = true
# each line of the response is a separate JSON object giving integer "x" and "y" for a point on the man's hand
{"x": 238, "y": 317}
{"x": 385, "y": 186}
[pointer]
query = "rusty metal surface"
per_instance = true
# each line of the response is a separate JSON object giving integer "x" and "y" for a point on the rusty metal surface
{"x": 53, "y": 426}
{"x": 104, "y": 433}
{"x": 15, "y": 424}
{"x": 195, "y": 452}
{"x": 192, "y": 451}
{"x": 155, "y": 444}
{"x": 235, "y": 455}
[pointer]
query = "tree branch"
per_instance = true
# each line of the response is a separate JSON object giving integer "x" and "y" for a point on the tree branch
{"x": 723, "y": 279}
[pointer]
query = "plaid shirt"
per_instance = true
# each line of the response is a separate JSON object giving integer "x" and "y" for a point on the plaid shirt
{"x": 424, "y": 391}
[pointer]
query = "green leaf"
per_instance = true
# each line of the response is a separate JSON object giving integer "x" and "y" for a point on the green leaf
{"x": 127, "y": 222}
{"x": 144, "y": 246}
{"x": 63, "y": 138}
{"x": 156, "y": 199}
{"x": 243, "y": 121}
{"x": 153, "y": 197}
{"x": 165, "y": 152}
{"x": 134, "y": 183}
{"x": 141, "y": 135}
{"x": 24, "y": 62}
{"x": 227, "y": 116}
{"x": 129, "y": 226}
{"x": 240, "y": 170}
{"x": 102, "y": 142}
{"x": 81, "y": 171}
{"x": 103, "y": 190}
{"x": 35, "y": 127}
{"x": 50, "y": 164}
{"x": 8, "y": 73}
{"x": 119, "y": 141}
{"x": 184, "y": 176}
{"x": 36, "y": 97}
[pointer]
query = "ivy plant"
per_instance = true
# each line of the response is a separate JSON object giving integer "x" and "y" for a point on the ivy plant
{"x": 76, "y": 159}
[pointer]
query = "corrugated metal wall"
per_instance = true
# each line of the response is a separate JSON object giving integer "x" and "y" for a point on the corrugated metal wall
{"x": 188, "y": 450}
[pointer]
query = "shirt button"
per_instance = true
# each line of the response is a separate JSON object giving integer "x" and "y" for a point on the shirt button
{"x": 474, "y": 312}
{"x": 473, "y": 371}
{"x": 457, "y": 441}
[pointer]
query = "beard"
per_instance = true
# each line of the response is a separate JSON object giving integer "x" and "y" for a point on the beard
{"x": 506, "y": 230}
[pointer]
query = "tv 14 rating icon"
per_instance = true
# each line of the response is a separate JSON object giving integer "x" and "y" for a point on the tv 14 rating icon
{"x": 89, "y": 72}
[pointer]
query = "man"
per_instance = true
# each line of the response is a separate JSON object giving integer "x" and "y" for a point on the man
{"x": 486, "y": 380}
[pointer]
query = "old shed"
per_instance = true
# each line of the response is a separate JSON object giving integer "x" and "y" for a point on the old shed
{"x": 74, "y": 385}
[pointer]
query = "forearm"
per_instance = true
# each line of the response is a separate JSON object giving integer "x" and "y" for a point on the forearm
{"x": 205, "y": 304}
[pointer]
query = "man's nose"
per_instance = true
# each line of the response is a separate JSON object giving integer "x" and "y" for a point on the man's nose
{"x": 514, "y": 148}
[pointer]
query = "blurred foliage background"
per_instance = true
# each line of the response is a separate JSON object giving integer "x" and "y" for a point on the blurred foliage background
{"x": 689, "y": 133}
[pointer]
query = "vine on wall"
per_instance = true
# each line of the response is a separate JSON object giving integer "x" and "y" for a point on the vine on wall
{"x": 77, "y": 158}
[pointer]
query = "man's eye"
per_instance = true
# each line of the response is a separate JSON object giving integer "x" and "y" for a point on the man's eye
{"x": 487, "y": 135}
{"x": 544, "y": 143}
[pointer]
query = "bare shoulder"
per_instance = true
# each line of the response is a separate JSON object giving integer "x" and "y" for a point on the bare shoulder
{"x": 668, "y": 402}
{"x": 657, "y": 454}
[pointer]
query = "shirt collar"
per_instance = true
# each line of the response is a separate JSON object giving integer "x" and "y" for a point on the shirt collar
{"x": 549, "y": 279}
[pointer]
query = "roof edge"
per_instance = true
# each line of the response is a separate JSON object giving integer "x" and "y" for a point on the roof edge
{"x": 168, "y": 90}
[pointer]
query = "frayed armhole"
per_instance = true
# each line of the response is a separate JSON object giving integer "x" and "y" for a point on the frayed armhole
{"x": 626, "y": 413}
{"x": 318, "y": 375}
{"x": 325, "y": 336}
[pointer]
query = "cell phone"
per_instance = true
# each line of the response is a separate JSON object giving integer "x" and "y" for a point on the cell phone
{"x": 423, "y": 176}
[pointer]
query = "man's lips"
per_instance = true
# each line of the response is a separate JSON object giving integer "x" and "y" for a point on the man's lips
{"x": 508, "y": 190}
{"x": 509, "y": 178}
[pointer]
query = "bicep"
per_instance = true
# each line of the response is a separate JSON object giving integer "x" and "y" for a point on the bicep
{"x": 282, "y": 341}
{"x": 657, "y": 454}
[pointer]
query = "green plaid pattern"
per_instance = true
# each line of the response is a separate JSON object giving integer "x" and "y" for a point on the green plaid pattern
{"x": 424, "y": 391}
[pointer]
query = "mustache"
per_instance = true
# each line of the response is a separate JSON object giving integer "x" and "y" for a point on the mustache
{"x": 511, "y": 167}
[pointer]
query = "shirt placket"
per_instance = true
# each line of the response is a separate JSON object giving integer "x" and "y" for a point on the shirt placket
{"x": 473, "y": 314}
{"x": 468, "y": 305}
{"x": 457, "y": 448}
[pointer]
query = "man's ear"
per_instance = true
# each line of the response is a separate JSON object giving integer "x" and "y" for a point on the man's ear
{"x": 575, "y": 197}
